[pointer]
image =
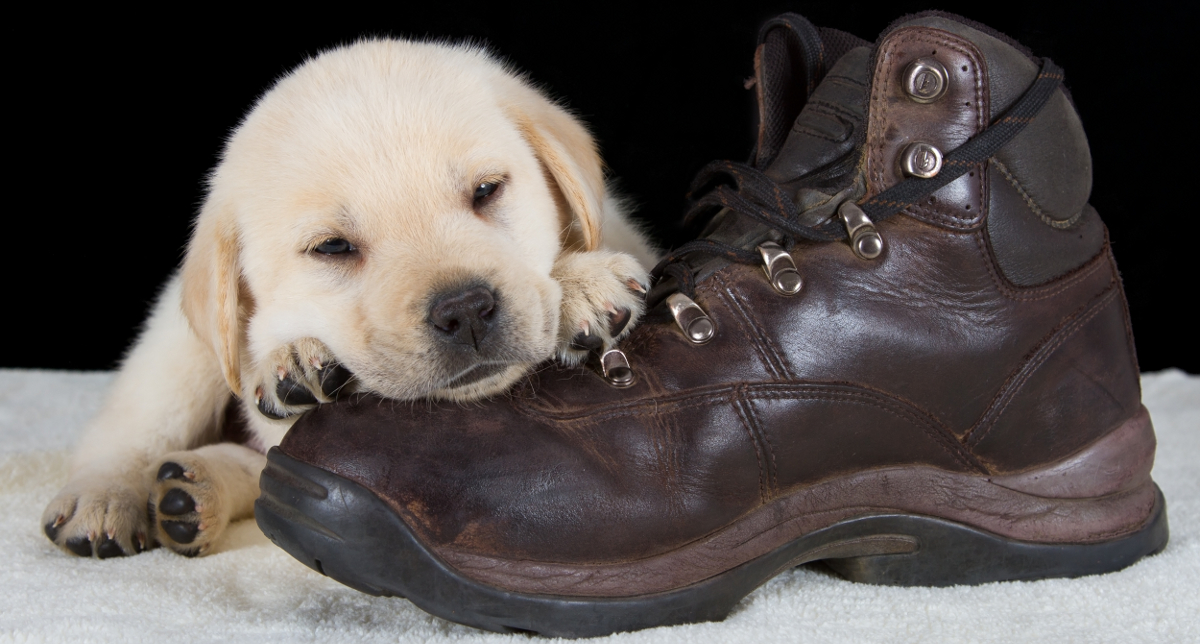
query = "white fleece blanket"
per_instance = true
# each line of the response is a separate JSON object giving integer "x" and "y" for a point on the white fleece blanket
{"x": 251, "y": 591}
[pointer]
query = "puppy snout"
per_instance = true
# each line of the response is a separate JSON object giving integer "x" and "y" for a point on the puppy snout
{"x": 464, "y": 317}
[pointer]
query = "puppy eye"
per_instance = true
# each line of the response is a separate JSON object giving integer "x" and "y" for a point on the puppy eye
{"x": 485, "y": 190}
{"x": 335, "y": 246}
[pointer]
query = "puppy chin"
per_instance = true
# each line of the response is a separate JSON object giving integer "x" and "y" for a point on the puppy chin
{"x": 484, "y": 387}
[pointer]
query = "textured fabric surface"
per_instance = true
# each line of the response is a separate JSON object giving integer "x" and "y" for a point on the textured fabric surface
{"x": 250, "y": 591}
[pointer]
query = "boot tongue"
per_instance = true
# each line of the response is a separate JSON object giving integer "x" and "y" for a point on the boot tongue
{"x": 817, "y": 162}
{"x": 810, "y": 126}
{"x": 814, "y": 158}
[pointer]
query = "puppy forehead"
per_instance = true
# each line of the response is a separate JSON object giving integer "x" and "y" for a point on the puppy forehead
{"x": 421, "y": 110}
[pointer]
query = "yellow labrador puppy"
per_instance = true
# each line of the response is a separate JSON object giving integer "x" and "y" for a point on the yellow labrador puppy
{"x": 411, "y": 213}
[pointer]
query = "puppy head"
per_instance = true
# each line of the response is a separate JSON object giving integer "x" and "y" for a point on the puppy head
{"x": 402, "y": 202}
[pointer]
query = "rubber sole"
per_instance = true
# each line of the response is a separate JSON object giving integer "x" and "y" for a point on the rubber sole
{"x": 344, "y": 531}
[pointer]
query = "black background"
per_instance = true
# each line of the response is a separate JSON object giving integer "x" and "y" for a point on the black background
{"x": 113, "y": 121}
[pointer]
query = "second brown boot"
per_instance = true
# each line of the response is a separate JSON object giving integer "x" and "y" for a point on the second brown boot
{"x": 900, "y": 347}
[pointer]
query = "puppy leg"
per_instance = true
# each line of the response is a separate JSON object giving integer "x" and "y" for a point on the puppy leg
{"x": 169, "y": 395}
{"x": 195, "y": 494}
{"x": 603, "y": 297}
{"x": 296, "y": 377}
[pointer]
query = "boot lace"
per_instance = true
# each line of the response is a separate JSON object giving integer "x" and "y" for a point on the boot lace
{"x": 748, "y": 192}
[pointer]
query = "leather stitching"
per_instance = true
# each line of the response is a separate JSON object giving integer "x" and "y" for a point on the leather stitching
{"x": 941, "y": 436}
{"x": 1033, "y": 206}
{"x": 780, "y": 362}
{"x": 830, "y": 108}
{"x": 758, "y": 348}
{"x": 808, "y": 131}
{"x": 748, "y": 327}
{"x": 775, "y": 391}
{"x": 1046, "y": 291}
{"x": 945, "y": 217}
{"x": 772, "y": 463}
{"x": 845, "y": 80}
{"x": 738, "y": 407}
{"x": 664, "y": 439}
{"x": 879, "y": 106}
{"x": 942, "y": 218}
{"x": 1013, "y": 385}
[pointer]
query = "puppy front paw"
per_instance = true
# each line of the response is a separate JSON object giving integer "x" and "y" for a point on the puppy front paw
{"x": 603, "y": 298}
{"x": 297, "y": 377}
{"x": 102, "y": 516}
{"x": 185, "y": 506}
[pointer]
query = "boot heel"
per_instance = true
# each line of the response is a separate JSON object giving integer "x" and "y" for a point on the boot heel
{"x": 951, "y": 554}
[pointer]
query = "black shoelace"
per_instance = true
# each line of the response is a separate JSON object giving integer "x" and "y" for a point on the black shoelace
{"x": 748, "y": 192}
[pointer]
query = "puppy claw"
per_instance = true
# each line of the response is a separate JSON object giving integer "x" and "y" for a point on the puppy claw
{"x": 604, "y": 294}
{"x": 298, "y": 376}
{"x": 97, "y": 516}
{"x": 618, "y": 319}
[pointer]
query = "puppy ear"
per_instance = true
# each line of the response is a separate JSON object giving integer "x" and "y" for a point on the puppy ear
{"x": 211, "y": 283}
{"x": 568, "y": 153}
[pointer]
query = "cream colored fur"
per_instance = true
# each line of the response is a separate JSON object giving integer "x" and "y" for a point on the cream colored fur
{"x": 382, "y": 143}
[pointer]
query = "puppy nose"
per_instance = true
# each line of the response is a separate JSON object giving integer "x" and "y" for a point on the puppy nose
{"x": 464, "y": 317}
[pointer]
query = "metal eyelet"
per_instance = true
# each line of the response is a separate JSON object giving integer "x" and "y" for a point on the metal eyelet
{"x": 616, "y": 369}
{"x": 921, "y": 160}
{"x": 866, "y": 242}
{"x": 697, "y": 327}
{"x": 780, "y": 268}
{"x": 925, "y": 80}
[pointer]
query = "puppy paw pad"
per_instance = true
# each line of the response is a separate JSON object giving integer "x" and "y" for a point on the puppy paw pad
{"x": 586, "y": 341}
{"x": 81, "y": 546}
{"x": 293, "y": 393}
{"x": 170, "y": 470}
{"x": 52, "y": 528}
{"x": 176, "y": 502}
{"x": 108, "y": 547}
{"x": 180, "y": 531}
{"x": 333, "y": 378}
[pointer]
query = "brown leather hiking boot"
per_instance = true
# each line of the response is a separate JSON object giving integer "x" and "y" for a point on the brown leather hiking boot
{"x": 900, "y": 347}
